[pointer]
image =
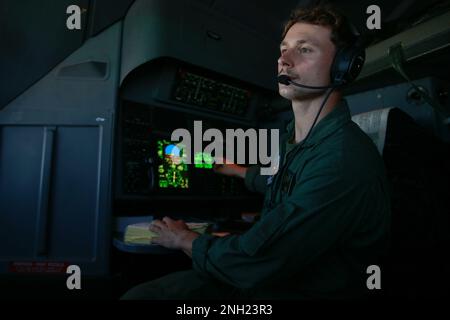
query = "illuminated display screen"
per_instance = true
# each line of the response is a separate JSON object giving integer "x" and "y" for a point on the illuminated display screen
{"x": 203, "y": 160}
{"x": 172, "y": 169}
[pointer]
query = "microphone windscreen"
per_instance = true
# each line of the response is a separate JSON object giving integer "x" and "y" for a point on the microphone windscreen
{"x": 284, "y": 79}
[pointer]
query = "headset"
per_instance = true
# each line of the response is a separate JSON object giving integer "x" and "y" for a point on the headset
{"x": 348, "y": 62}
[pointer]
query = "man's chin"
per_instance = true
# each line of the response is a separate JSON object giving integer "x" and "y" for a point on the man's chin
{"x": 299, "y": 95}
{"x": 288, "y": 92}
{"x": 283, "y": 94}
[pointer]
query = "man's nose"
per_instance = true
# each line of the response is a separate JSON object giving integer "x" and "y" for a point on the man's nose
{"x": 285, "y": 60}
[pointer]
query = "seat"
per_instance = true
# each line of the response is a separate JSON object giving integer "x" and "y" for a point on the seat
{"x": 418, "y": 171}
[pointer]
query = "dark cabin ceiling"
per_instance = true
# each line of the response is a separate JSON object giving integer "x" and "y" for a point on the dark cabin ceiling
{"x": 268, "y": 16}
{"x": 33, "y": 43}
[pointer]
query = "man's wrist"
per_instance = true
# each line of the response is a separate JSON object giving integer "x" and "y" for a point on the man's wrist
{"x": 241, "y": 172}
{"x": 186, "y": 239}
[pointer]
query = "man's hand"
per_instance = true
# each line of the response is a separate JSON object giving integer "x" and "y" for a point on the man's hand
{"x": 230, "y": 169}
{"x": 173, "y": 234}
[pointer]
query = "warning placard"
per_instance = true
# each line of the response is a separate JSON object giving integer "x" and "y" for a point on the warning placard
{"x": 38, "y": 267}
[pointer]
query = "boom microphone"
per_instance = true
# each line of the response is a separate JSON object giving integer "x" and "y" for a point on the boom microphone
{"x": 284, "y": 79}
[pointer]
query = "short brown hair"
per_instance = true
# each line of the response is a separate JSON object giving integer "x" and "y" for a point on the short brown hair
{"x": 342, "y": 34}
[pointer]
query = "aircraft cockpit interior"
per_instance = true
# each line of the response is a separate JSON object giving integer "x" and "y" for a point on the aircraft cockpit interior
{"x": 116, "y": 114}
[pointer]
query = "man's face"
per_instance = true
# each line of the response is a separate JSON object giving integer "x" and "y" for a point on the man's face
{"x": 306, "y": 55}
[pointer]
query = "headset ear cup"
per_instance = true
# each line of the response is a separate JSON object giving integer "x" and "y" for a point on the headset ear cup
{"x": 335, "y": 67}
{"x": 357, "y": 63}
{"x": 347, "y": 64}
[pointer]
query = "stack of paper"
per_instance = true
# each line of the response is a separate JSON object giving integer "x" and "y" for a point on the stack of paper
{"x": 139, "y": 233}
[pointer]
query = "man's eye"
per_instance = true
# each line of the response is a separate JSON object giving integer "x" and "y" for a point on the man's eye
{"x": 304, "y": 50}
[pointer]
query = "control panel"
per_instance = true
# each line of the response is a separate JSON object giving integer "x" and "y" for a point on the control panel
{"x": 207, "y": 92}
{"x": 150, "y": 165}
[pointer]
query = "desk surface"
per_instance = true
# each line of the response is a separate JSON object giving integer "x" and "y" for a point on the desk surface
{"x": 234, "y": 227}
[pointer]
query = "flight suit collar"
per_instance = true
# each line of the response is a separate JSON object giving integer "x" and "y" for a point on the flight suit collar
{"x": 339, "y": 116}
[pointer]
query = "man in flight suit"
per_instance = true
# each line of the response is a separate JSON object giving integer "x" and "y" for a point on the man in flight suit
{"x": 326, "y": 212}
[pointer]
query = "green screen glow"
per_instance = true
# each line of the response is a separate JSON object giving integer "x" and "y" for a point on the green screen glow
{"x": 203, "y": 160}
{"x": 172, "y": 169}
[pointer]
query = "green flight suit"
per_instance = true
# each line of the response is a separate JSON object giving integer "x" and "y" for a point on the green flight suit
{"x": 325, "y": 219}
{"x": 324, "y": 222}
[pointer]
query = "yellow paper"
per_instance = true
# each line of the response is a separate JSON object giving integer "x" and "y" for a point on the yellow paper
{"x": 139, "y": 233}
